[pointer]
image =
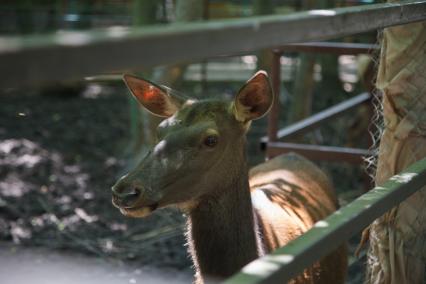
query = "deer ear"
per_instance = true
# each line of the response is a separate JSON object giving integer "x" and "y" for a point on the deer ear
{"x": 254, "y": 99}
{"x": 157, "y": 100}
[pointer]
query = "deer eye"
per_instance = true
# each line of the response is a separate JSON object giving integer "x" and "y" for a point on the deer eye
{"x": 211, "y": 141}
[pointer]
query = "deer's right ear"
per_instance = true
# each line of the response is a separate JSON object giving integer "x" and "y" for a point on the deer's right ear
{"x": 254, "y": 99}
{"x": 155, "y": 99}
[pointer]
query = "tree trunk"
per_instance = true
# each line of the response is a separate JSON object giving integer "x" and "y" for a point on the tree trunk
{"x": 304, "y": 81}
{"x": 303, "y": 88}
{"x": 189, "y": 10}
{"x": 264, "y": 57}
{"x": 143, "y": 124}
{"x": 172, "y": 75}
{"x": 143, "y": 13}
{"x": 331, "y": 86}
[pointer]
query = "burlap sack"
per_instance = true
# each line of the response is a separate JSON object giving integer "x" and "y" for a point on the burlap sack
{"x": 397, "y": 252}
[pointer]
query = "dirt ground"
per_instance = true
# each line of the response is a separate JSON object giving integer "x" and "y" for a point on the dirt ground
{"x": 59, "y": 157}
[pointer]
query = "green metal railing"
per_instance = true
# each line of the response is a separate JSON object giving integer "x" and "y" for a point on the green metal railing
{"x": 74, "y": 55}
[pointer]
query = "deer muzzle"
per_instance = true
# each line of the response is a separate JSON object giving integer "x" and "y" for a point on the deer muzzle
{"x": 131, "y": 201}
{"x": 126, "y": 197}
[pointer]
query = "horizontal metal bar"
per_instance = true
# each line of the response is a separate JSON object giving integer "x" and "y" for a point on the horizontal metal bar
{"x": 74, "y": 55}
{"x": 328, "y": 234}
{"x": 317, "y": 119}
{"x": 329, "y": 47}
{"x": 318, "y": 152}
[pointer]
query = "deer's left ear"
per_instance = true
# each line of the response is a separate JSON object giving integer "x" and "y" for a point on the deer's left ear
{"x": 157, "y": 100}
{"x": 254, "y": 99}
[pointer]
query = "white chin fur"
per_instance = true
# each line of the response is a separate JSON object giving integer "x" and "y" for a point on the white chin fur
{"x": 136, "y": 213}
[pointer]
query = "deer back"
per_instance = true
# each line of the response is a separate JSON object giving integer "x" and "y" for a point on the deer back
{"x": 290, "y": 194}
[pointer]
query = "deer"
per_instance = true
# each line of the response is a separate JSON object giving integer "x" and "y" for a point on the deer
{"x": 199, "y": 165}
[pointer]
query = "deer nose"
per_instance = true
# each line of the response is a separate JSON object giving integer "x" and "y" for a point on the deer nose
{"x": 125, "y": 196}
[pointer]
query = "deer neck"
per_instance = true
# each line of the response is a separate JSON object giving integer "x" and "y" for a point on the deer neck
{"x": 221, "y": 232}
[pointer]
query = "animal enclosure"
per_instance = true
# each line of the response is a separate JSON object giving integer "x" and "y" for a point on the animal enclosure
{"x": 24, "y": 64}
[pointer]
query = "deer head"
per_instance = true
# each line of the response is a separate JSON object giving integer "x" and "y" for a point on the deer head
{"x": 200, "y": 149}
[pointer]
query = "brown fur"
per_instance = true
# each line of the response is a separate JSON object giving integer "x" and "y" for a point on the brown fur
{"x": 290, "y": 194}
